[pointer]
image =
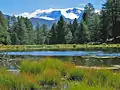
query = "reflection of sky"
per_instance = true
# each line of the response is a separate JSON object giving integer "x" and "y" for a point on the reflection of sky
{"x": 63, "y": 53}
{"x": 20, "y": 6}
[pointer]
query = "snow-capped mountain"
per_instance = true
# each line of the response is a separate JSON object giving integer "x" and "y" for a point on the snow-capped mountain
{"x": 50, "y": 16}
{"x": 54, "y": 14}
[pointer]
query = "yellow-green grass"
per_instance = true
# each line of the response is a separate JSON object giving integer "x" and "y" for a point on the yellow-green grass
{"x": 58, "y": 47}
{"x": 56, "y": 74}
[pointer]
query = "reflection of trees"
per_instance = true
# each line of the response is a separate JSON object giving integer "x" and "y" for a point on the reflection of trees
{"x": 6, "y": 61}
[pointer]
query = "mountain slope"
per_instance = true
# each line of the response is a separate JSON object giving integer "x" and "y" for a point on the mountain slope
{"x": 54, "y": 14}
{"x": 50, "y": 16}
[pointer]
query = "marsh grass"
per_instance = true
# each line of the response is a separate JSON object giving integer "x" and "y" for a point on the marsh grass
{"x": 83, "y": 86}
{"x": 56, "y": 74}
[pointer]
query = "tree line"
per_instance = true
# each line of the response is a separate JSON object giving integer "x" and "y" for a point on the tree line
{"x": 94, "y": 27}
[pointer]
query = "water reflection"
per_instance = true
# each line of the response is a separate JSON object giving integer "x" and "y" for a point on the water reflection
{"x": 64, "y": 53}
{"x": 82, "y": 58}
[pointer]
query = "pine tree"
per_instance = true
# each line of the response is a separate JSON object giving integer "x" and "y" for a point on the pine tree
{"x": 68, "y": 37}
{"x": 14, "y": 38}
{"x": 14, "y": 31}
{"x": 4, "y": 35}
{"x": 44, "y": 31}
{"x": 82, "y": 33}
{"x": 74, "y": 27}
{"x": 30, "y": 31}
{"x": 95, "y": 31}
{"x": 61, "y": 31}
{"x": 110, "y": 17}
{"x": 21, "y": 31}
{"x": 53, "y": 34}
{"x": 40, "y": 38}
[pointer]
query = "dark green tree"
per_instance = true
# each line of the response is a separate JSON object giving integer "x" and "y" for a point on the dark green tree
{"x": 82, "y": 33}
{"x": 110, "y": 19}
{"x": 45, "y": 32}
{"x": 40, "y": 38}
{"x": 62, "y": 31}
{"x": 53, "y": 34}
{"x": 74, "y": 28}
{"x": 21, "y": 31}
{"x": 30, "y": 31}
{"x": 94, "y": 29}
{"x": 4, "y": 35}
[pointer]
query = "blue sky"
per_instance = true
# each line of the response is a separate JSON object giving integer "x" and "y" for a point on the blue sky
{"x": 20, "y": 6}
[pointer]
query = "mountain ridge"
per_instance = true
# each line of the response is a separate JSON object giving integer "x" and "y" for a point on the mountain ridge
{"x": 50, "y": 16}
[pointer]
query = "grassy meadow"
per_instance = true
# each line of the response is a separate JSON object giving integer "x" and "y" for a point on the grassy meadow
{"x": 54, "y": 74}
{"x": 106, "y": 47}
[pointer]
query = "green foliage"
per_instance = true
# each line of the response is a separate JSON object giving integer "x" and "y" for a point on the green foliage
{"x": 22, "y": 31}
{"x": 30, "y": 31}
{"x": 4, "y": 35}
{"x": 40, "y": 34}
{"x": 53, "y": 34}
{"x": 110, "y": 21}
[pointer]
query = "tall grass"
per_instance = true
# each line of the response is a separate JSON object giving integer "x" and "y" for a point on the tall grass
{"x": 53, "y": 73}
{"x": 10, "y": 81}
{"x": 50, "y": 77}
{"x": 83, "y": 86}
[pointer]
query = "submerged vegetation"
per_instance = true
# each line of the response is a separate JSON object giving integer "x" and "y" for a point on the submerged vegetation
{"x": 54, "y": 74}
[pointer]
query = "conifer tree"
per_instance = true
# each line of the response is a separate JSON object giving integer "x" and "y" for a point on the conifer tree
{"x": 4, "y": 35}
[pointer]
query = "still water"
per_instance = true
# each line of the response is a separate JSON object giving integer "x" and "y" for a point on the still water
{"x": 64, "y": 53}
{"x": 87, "y": 58}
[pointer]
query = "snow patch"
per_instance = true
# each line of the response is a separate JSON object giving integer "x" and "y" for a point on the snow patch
{"x": 39, "y": 11}
{"x": 69, "y": 15}
{"x": 47, "y": 18}
{"x": 43, "y": 13}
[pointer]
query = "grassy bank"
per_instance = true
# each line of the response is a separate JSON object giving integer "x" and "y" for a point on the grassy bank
{"x": 54, "y": 74}
{"x": 106, "y": 47}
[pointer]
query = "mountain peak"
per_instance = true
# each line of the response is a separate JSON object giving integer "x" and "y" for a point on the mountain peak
{"x": 54, "y": 14}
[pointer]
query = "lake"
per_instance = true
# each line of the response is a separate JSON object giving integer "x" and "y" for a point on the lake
{"x": 87, "y": 58}
{"x": 64, "y": 53}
